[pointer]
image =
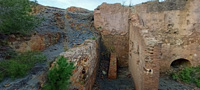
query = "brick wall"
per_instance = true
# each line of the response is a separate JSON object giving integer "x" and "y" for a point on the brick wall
{"x": 178, "y": 30}
{"x": 144, "y": 56}
{"x": 112, "y": 21}
{"x": 85, "y": 58}
{"x": 117, "y": 44}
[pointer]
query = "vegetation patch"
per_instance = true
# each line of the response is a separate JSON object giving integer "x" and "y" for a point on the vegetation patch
{"x": 19, "y": 65}
{"x": 16, "y": 17}
{"x": 59, "y": 75}
{"x": 93, "y": 38}
{"x": 188, "y": 75}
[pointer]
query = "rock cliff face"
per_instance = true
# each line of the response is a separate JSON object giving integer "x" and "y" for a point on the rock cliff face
{"x": 73, "y": 24}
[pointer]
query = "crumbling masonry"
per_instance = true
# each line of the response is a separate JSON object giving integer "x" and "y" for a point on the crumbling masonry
{"x": 149, "y": 38}
{"x": 159, "y": 36}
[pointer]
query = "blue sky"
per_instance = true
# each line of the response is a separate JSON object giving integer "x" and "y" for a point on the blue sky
{"x": 87, "y": 4}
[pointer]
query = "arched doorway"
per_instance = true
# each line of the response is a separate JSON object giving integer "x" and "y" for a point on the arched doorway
{"x": 180, "y": 63}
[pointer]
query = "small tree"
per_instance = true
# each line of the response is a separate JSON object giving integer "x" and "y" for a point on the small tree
{"x": 59, "y": 75}
{"x": 15, "y": 17}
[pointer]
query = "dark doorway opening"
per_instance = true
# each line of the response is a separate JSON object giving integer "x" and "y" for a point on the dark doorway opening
{"x": 180, "y": 63}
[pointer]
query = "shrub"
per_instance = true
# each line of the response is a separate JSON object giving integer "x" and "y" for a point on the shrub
{"x": 188, "y": 75}
{"x": 16, "y": 70}
{"x": 15, "y": 17}
{"x": 99, "y": 27}
{"x": 185, "y": 74}
{"x": 197, "y": 82}
{"x": 19, "y": 65}
{"x": 93, "y": 38}
{"x": 59, "y": 75}
{"x": 174, "y": 76}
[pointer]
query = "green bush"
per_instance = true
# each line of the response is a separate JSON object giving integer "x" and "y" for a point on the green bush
{"x": 174, "y": 76}
{"x": 19, "y": 65}
{"x": 59, "y": 75}
{"x": 197, "y": 82}
{"x": 185, "y": 74}
{"x": 16, "y": 70}
{"x": 188, "y": 75}
{"x": 15, "y": 17}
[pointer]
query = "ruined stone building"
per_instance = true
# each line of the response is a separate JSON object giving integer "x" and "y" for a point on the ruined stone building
{"x": 149, "y": 38}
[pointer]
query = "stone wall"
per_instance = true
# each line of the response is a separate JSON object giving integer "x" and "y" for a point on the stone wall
{"x": 144, "y": 56}
{"x": 112, "y": 22}
{"x": 177, "y": 29}
{"x": 86, "y": 58}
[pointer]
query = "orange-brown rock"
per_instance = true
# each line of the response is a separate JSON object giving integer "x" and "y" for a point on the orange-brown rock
{"x": 38, "y": 9}
{"x": 77, "y": 10}
{"x": 33, "y": 43}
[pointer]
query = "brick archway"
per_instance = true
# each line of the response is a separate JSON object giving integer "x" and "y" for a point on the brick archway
{"x": 180, "y": 63}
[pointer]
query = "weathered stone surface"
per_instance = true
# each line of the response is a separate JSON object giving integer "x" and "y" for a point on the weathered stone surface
{"x": 159, "y": 36}
{"x": 177, "y": 29}
{"x": 33, "y": 43}
{"x": 86, "y": 61}
{"x": 116, "y": 44}
{"x": 144, "y": 57}
{"x": 75, "y": 26}
{"x": 112, "y": 21}
{"x": 112, "y": 73}
{"x": 38, "y": 9}
{"x": 77, "y": 10}
{"x": 167, "y": 5}
{"x": 55, "y": 29}
{"x": 151, "y": 37}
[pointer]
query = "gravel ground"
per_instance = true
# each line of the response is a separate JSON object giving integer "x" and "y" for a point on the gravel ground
{"x": 32, "y": 80}
{"x": 166, "y": 83}
{"x": 123, "y": 81}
